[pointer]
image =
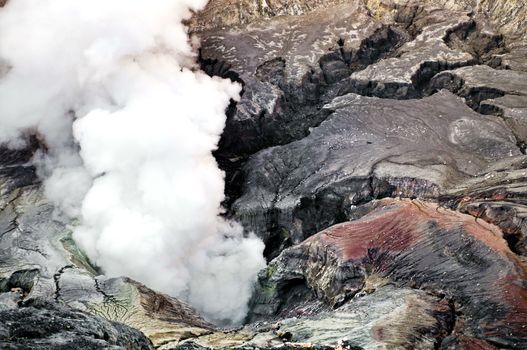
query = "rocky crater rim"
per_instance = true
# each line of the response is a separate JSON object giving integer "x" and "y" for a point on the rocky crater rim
{"x": 348, "y": 258}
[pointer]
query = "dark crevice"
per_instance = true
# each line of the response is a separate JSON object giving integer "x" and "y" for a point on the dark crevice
{"x": 278, "y": 237}
{"x": 326, "y": 207}
{"x": 13, "y": 225}
{"x": 522, "y": 145}
{"x": 234, "y": 178}
{"x": 293, "y": 294}
{"x": 34, "y": 250}
{"x": 21, "y": 156}
{"x": 56, "y": 279}
{"x": 422, "y": 80}
{"x": 382, "y": 44}
{"x": 107, "y": 297}
{"x": 293, "y": 291}
{"x": 16, "y": 165}
{"x": 406, "y": 16}
{"x": 218, "y": 68}
{"x": 228, "y": 162}
{"x": 485, "y": 47}
{"x": 450, "y": 324}
{"x": 513, "y": 241}
{"x": 272, "y": 71}
{"x": 300, "y": 107}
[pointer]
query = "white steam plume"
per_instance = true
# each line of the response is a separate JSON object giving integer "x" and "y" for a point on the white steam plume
{"x": 117, "y": 79}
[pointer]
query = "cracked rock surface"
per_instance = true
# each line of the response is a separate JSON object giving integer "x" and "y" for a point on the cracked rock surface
{"x": 39, "y": 259}
{"x": 496, "y": 196}
{"x": 41, "y": 325}
{"x": 378, "y": 149}
{"x": 490, "y": 91}
{"x": 366, "y": 148}
{"x": 285, "y": 65}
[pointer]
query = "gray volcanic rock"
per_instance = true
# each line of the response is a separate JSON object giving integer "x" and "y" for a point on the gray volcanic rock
{"x": 513, "y": 109}
{"x": 404, "y": 244}
{"x": 498, "y": 197}
{"x": 287, "y": 81}
{"x": 223, "y": 13}
{"x": 515, "y": 59}
{"x": 299, "y": 41}
{"x": 506, "y": 15}
{"x": 417, "y": 61}
{"x": 490, "y": 91}
{"x": 291, "y": 65}
{"x": 387, "y": 318}
{"x": 477, "y": 83}
{"x": 506, "y": 18}
{"x": 44, "y": 325}
{"x": 286, "y": 64}
{"x": 367, "y": 148}
{"x": 404, "y": 274}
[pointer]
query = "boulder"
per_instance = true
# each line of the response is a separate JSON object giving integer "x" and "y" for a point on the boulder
{"x": 43, "y": 325}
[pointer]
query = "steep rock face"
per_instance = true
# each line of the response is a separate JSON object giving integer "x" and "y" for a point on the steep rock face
{"x": 471, "y": 83}
{"x": 417, "y": 61}
{"x": 366, "y": 148}
{"x": 286, "y": 64}
{"x": 390, "y": 49}
{"x": 505, "y": 16}
{"x": 289, "y": 55}
{"x": 408, "y": 244}
{"x": 508, "y": 15}
{"x": 291, "y": 65}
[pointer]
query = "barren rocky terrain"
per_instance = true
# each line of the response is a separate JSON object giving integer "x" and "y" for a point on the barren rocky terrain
{"x": 378, "y": 149}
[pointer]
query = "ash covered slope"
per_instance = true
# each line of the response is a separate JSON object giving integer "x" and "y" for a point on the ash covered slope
{"x": 344, "y": 103}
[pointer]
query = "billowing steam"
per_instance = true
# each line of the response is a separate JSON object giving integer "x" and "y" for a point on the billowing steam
{"x": 130, "y": 124}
